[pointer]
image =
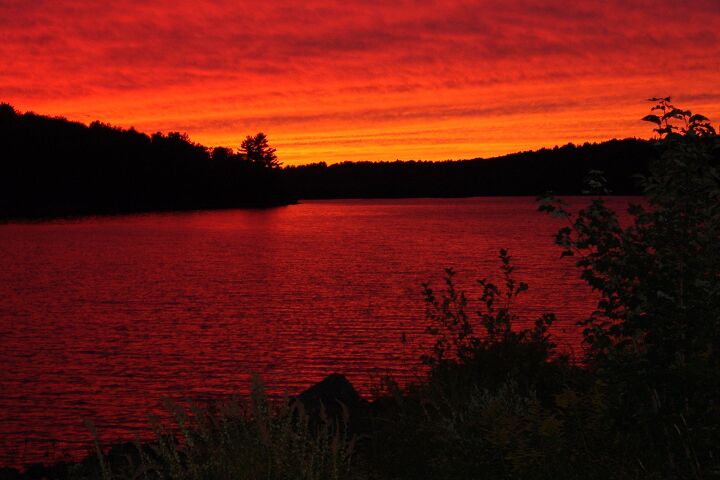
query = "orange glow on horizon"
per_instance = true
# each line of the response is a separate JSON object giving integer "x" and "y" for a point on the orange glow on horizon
{"x": 333, "y": 81}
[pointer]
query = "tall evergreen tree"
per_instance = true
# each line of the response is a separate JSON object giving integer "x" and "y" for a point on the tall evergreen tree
{"x": 257, "y": 150}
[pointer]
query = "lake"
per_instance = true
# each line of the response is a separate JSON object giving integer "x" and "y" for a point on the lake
{"x": 102, "y": 318}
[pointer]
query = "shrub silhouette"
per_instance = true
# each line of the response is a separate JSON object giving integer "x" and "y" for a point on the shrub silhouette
{"x": 644, "y": 403}
{"x": 654, "y": 336}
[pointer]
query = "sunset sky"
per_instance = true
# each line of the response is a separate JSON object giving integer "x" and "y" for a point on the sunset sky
{"x": 364, "y": 80}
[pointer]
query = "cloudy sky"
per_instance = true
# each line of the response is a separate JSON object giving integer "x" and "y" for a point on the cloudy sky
{"x": 352, "y": 80}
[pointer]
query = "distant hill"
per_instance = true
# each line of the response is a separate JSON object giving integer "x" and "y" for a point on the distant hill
{"x": 53, "y": 167}
{"x": 561, "y": 170}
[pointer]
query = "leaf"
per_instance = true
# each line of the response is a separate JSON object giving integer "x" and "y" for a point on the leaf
{"x": 651, "y": 118}
{"x": 674, "y": 113}
{"x": 698, "y": 118}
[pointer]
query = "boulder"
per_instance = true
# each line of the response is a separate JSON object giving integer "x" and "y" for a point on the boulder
{"x": 335, "y": 396}
{"x": 8, "y": 473}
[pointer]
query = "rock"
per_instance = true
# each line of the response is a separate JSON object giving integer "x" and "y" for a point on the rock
{"x": 336, "y": 395}
{"x": 333, "y": 388}
{"x": 7, "y": 473}
{"x": 36, "y": 471}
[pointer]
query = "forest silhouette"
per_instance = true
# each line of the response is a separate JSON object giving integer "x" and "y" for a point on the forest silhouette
{"x": 562, "y": 170}
{"x": 52, "y": 166}
{"x": 55, "y": 167}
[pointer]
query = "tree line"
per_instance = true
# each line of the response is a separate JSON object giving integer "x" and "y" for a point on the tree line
{"x": 562, "y": 170}
{"x": 52, "y": 167}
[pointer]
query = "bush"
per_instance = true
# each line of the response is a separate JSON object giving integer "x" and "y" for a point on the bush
{"x": 654, "y": 336}
{"x": 501, "y": 402}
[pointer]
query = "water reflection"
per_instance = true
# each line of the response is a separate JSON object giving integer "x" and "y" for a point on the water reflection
{"x": 104, "y": 317}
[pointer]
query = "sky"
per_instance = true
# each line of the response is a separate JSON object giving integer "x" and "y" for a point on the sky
{"x": 364, "y": 80}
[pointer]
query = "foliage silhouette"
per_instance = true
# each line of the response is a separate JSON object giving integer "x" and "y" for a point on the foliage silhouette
{"x": 654, "y": 336}
{"x": 644, "y": 401}
{"x": 257, "y": 150}
{"x": 560, "y": 170}
{"x": 231, "y": 440}
{"x": 51, "y": 166}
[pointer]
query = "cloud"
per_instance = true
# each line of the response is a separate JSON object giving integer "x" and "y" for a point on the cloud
{"x": 302, "y": 69}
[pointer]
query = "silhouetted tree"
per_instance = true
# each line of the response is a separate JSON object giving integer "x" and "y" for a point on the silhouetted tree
{"x": 7, "y": 111}
{"x": 257, "y": 150}
{"x": 221, "y": 154}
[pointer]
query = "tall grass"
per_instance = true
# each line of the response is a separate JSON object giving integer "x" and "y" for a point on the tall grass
{"x": 235, "y": 440}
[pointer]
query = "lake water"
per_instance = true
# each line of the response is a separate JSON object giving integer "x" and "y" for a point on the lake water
{"x": 104, "y": 317}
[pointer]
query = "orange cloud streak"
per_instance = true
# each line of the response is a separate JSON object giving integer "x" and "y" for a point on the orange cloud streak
{"x": 353, "y": 80}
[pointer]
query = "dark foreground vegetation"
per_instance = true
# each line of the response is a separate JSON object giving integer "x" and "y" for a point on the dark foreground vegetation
{"x": 500, "y": 402}
{"x": 53, "y": 167}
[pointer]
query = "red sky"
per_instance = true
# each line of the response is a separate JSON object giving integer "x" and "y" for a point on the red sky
{"x": 353, "y": 80}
